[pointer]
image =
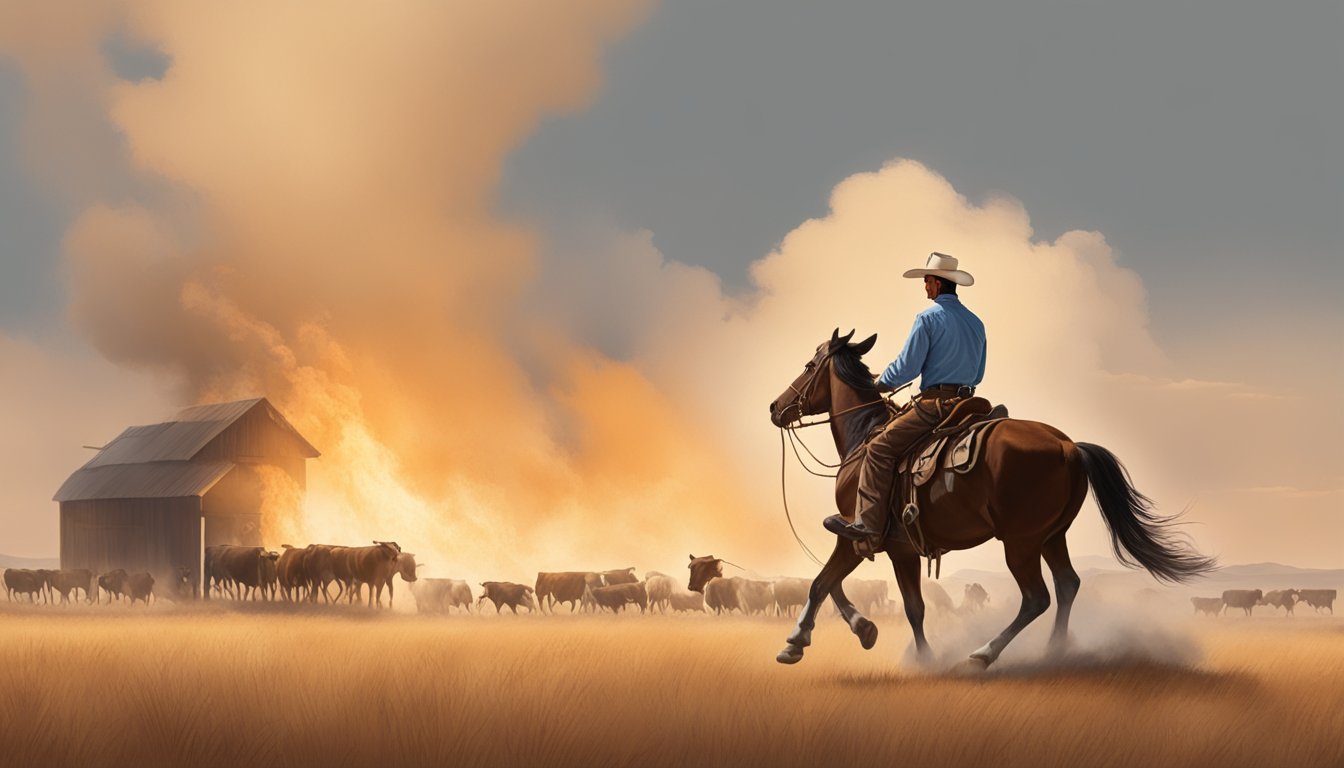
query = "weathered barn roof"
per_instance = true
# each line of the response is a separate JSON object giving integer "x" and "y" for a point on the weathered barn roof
{"x": 150, "y": 480}
{"x": 189, "y": 431}
{"x": 156, "y": 461}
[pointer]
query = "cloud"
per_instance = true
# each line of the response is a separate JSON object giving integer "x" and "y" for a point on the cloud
{"x": 314, "y": 222}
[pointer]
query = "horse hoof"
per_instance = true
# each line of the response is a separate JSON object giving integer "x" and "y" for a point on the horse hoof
{"x": 791, "y": 654}
{"x": 971, "y": 666}
{"x": 867, "y": 632}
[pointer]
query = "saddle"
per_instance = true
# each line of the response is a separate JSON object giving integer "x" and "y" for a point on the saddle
{"x": 955, "y": 443}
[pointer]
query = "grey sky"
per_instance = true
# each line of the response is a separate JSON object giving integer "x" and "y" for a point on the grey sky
{"x": 1200, "y": 137}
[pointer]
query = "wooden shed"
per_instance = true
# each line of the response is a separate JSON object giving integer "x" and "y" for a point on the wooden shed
{"x": 154, "y": 497}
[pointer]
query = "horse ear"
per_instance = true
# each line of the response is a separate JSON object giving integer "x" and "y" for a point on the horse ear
{"x": 863, "y": 347}
{"x": 835, "y": 336}
{"x": 845, "y": 339}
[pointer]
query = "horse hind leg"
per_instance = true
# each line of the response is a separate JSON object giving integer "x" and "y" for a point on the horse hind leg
{"x": 1024, "y": 561}
{"x": 906, "y": 568}
{"x": 1056, "y": 554}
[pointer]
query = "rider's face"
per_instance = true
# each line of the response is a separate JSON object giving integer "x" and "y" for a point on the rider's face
{"x": 931, "y": 286}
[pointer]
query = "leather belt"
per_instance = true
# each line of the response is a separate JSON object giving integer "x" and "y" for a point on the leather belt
{"x": 948, "y": 390}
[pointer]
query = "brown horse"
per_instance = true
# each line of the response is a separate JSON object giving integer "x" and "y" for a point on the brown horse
{"x": 1026, "y": 490}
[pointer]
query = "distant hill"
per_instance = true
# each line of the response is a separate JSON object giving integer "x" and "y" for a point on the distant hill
{"x": 1100, "y": 571}
{"x": 9, "y": 561}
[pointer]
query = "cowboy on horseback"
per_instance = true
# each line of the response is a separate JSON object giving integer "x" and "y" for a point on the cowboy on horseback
{"x": 946, "y": 350}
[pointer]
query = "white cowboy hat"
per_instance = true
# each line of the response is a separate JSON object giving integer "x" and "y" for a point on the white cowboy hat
{"x": 942, "y": 265}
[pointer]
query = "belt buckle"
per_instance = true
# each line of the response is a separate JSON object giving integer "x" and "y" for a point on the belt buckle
{"x": 965, "y": 391}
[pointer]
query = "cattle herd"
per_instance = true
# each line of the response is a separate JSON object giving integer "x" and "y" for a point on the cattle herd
{"x": 1249, "y": 599}
{"x": 335, "y": 574}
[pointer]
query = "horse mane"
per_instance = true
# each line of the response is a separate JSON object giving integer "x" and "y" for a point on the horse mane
{"x": 850, "y": 369}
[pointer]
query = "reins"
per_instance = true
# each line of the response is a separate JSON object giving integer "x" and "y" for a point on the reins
{"x": 795, "y": 440}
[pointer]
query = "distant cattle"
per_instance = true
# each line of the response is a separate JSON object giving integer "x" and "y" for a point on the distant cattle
{"x": 935, "y": 597}
{"x": 290, "y": 576}
{"x": 113, "y": 583}
{"x": 973, "y": 598}
{"x": 403, "y": 565}
{"x": 319, "y": 572}
{"x": 358, "y": 566}
{"x": 1210, "y": 605}
{"x": 503, "y": 593}
{"x": 757, "y": 596}
{"x": 617, "y": 596}
{"x": 868, "y": 596}
{"x": 660, "y": 587}
{"x": 564, "y": 587}
{"x": 1280, "y": 598}
{"x": 239, "y": 572}
{"x": 439, "y": 595}
{"x": 703, "y": 569}
{"x": 1246, "y": 599}
{"x": 686, "y": 600}
{"x": 139, "y": 586}
{"x": 64, "y": 582}
{"x": 175, "y": 585}
{"x": 620, "y": 576}
{"x": 790, "y": 594}
{"x": 1319, "y": 598}
{"x": 22, "y": 581}
{"x": 269, "y": 574}
{"x": 723, "y": 596}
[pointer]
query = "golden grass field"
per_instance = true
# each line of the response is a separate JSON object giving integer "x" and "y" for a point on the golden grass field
{"x": 100, "y": 686}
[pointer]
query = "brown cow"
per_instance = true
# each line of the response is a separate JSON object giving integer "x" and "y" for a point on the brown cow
{"x": 22, "y": 581}
{"x": 289, "y": 573}
{"x": 63, "y": 582}
{"x": 1319, "y": 598}
{"x": 564, "y": 587}
{"x": 1210, "y": 605}
{"x": 439, "y": 595}
{"x": 660, "y": 587}
{"x": 113, "y": 583}
{"x": 318, "y": 571}
{"x": 703, "y": 569}
{"x": 620, "y": 576}
{"x": 1245, "y": 599}
{"x": 139, "y": 586}
{"x": 366, "y": 565}
{"x": 403, "y": 565}
{"x": 1280, "y": 598}
{"x": 228, "y": 567}
{"x": 617, "y": 596}
{"x": 503, "y": 593}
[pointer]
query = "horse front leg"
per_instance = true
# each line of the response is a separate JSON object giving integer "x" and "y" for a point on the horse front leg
{"x": 841, "y": 563}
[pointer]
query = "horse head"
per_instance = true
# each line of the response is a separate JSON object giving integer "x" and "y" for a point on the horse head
{"x": 810, "y": 393}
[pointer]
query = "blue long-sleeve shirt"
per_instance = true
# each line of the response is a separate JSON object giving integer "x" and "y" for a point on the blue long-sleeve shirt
{"x": 946, "y": 346}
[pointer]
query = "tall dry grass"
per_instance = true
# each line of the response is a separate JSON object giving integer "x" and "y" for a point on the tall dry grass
{"x": 234, "y": 687}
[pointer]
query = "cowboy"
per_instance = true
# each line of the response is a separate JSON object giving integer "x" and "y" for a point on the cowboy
{"x": 946, "y": 349}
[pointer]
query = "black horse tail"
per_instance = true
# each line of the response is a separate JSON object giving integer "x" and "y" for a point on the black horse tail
{"x": 1139, "y": 537}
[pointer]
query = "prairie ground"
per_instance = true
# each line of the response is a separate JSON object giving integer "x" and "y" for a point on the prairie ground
{"x": 261, "y": 685}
